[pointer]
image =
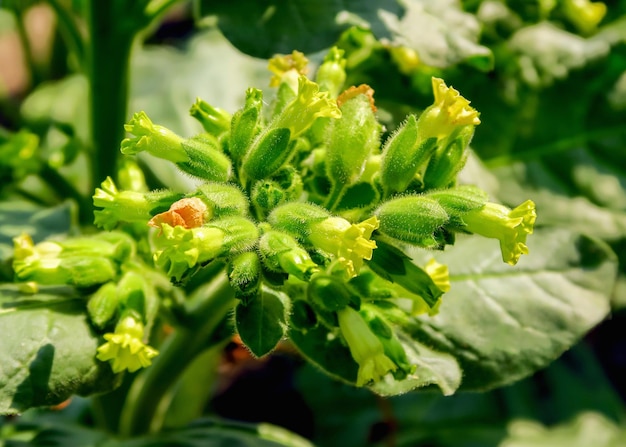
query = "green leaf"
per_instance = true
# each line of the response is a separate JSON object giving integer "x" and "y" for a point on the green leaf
{"x": 261, "y": 322}
{"x": 48, "y": 350}
{"x": 328, "y": 352}
{"x": 280, "y": 26}
{"x": 503, "y": 323}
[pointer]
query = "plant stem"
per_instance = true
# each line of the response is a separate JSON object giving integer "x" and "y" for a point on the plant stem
{"x": 69, "y": 30}
{"x": 152, "y": 386}
{"x": 27, "y": 48}
{"x": 108, "y": 72}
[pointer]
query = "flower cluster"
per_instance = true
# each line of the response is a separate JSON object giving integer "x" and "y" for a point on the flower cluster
{"x": 306, "y": 201}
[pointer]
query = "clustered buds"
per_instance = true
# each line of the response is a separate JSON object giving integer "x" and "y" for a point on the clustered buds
{"x": 306, "y": 201}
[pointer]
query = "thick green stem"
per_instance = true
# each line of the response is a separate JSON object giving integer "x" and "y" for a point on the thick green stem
{"x": 152, "y": 386}
{"x": 108, "y": 72}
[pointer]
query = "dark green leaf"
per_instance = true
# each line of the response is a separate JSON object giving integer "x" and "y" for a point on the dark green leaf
{"x": 503, "y": 323}
{"x": 48, "y": 350}
{"x": 280, "y": 26}
{"x": 261, "y": 322}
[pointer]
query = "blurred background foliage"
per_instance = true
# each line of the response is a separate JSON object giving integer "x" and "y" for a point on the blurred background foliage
{"x": 551, "y": 89}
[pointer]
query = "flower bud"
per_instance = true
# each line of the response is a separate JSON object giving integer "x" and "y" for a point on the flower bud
{"x": 244, "y": 275}
{"x": 102, "y": 305}
{"x": 268, "y": 153}
{"x": 510, "y": 226}
{"x": 245, "y": 125}
{"x": 281, "y": 252}
{"x": 365, "y": 347}
{"x": 214, "y": 120}
{"x": 584, "y": 14}
{"x": 267, "y": 195}
{"x": 331, "y": 75}
{"x": 128, "y": 206}
{"x": 460, "y": 199}
{"x": 351, "y": 140}
{"x": 284, "y": 66}
{"x": 447, "y": 161}
{"x": 199, "y": 156}
{"x": 18, "y": 155}
{"x": 222, "y": 199}
{"x": 124, "y": 348}
{"x": 404, "y": 154}
{"x": 412, "y": 219}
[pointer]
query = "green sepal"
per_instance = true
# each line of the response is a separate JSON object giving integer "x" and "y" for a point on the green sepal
{"x": 102, "y": 306}
{"x": 331, "y": 75}
{"x": 205, "y": 160}
{"x": 448, "y": 160}
{"x": 351, "y": 140}
{"x": 296, "y": 218}
{"x": 244, "y": 275}
{"x": 404, "y": 153}
{"x": 412, "y": 219}
{"x": 284, "y": 95}
{"x": 268, "y": 153}
{"x": 393, "y": 265}
{"x": 245, "y": 125}
{"x": 262, "y": 322}
{"x": 214, "y": 120}
{"x": 460, "y": 199}
{"x": 222, "y": 199}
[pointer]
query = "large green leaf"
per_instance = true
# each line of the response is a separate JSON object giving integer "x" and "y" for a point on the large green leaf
{"x": 48, "y": 350}
{"x": 502, "y": 323}
{"x": 281, "y": 26}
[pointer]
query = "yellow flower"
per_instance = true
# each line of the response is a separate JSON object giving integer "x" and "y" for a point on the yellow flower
{"x": 350, "y": 243}
{"x": 449, "y": 111}
{"x": 510, "y": 227}
{"x": 125, "y": 349}
{"x": 366, "y": 349}
{"x": 287, "y": 64}
{"x": 584, "y": 14}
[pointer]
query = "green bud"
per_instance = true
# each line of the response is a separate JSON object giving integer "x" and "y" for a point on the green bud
{"x": 245, "y": 124}
{"x": 447, "y": 162}
{"x": 130, "y": 176}
{"x": 244, "y": 274}
{"x": 128, "y": 206}
{"x": 223, "y": 199}
{"x": 412, "y": 219}
{"x": 18, "y": 155}
{"x": 460, "y": 199}
{"x": 267, "y": 195}
{"x": 205, "y": 160}
{"x": 268, "y": 153}
{"x": 365, "y": 347}
{"x": 199, "y": 156}
{"x": 102, "y": 305}
{"x": 281, "y": 252}
{"x": 329, "y": 293}
{"x": 284, "y": 95}
{"x": 404, "y": 154}
{"x": 351, "y": 140}
{"x": 296, "y": 218}
{"x": 131, "y": 290}
{"x": 214, "y": 120}
{"x": 154, "y": 139}
{"x": 331, "y": 75}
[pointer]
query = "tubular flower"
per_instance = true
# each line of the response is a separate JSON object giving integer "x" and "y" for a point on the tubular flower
{"x": 366, "y": 349}
{"x": 449, "y": 111}
{"x": 188, "y": 213}
{"x": 157, "y": 140}
{"x": 439, "y": 274}
{"x": 299, "y": 114}
{"x": 351, "y": 243}
{"x": 125, "y": 349}
{"x": 286, "y": 65}
{"x": 510, "y": 226}
{"x": 585, "y": 15}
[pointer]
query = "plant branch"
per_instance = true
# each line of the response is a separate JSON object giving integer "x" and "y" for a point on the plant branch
{"x": 70, "y": 31}
{"x": 152, "y": 386}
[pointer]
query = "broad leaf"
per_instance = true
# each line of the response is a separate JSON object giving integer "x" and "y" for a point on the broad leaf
{"x": 48, "y": 350}
{"x": 281, "y": 26}
{"x": 503, "y": 323}
{"x": 261, "y": 322}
